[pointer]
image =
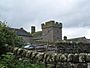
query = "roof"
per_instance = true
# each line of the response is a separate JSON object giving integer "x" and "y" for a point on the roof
{"x": 37, "y": 35}
{"x": 77, "y": 39}
{"x": 21, "y": 32}
{"x": 80, "y": 39}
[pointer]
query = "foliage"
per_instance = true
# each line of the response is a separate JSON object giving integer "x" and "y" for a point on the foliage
{"x": 8, "y": 37}
{"x": 9, "y": 61}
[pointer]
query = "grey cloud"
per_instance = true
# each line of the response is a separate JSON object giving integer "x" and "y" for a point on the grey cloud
{"x": 79, "y": 17}
{"x": 22, "y": 13}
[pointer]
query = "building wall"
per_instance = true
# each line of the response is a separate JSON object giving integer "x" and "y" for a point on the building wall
{"x": 47, "y": 34}
{"x": 57, "y": 34}
{"x": 52, "y": 31}
{"x": 26, "y": 39}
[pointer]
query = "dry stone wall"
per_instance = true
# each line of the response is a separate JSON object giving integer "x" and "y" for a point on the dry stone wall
{"x": 57, "y": 60}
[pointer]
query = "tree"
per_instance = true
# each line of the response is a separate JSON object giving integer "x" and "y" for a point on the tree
{"x": 9, "y": 37}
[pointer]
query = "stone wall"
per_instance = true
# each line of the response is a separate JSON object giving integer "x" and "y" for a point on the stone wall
{"x": 72, "y": 47}
{"x": 26, "y": 39}
{"x": 56, "y": 60}
{"x": 65, "y": 59}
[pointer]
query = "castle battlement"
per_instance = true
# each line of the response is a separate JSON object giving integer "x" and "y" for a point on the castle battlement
{"x": 51, "y": 31}
{"x": 51, "y": 23}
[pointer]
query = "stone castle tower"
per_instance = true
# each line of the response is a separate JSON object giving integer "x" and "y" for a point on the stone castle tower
{"x": 51, "y": 31}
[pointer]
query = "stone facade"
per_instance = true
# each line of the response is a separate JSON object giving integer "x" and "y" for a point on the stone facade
{"x": 51, "y": 31}
{"x": 23, "y": 34}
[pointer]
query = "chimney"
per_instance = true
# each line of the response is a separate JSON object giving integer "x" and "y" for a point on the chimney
{"x": 65, "y": 38}
{"x": 21, "y": 28}
{"x": 32, "y": 29}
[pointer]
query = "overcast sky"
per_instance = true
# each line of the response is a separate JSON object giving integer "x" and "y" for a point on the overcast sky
{"x": 74, "y": 14}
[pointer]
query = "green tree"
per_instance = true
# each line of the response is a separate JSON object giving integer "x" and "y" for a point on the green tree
{"x": 9, "y": 37}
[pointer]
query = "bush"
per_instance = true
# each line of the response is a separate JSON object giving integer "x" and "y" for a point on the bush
{"x": 8, "y": 60}
{"x": 9, "y": 37}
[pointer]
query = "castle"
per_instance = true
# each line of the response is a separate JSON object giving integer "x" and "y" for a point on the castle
{"x": 51, "y": 31}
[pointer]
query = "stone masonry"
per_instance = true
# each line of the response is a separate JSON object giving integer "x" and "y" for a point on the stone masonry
{"x": 51, "y": 31}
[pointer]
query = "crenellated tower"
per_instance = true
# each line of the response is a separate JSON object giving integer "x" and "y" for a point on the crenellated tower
{"x": 51, "y": 31}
